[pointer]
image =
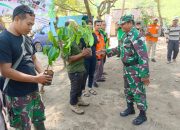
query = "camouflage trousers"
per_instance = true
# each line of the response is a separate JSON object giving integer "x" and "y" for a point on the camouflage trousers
{"x": 22, "y": 110}
{"x": 135, "y": 90}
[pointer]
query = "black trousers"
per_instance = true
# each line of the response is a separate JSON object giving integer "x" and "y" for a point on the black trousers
{"x": 173, "y": 48}
{"x": 77, "y": 84}
{"x": 90, "y": 65}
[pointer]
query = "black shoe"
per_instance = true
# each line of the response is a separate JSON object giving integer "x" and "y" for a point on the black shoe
{"x": 130, "y": 110}
{"x": 95, "y": 85}
{"x": 39, "y": 126}
{"x": 140, "y": 119}
{"x": 127, "y": 112}
{"x": 153, "y": 60}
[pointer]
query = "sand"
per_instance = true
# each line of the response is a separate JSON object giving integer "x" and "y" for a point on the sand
{"x": 163, "y": 97}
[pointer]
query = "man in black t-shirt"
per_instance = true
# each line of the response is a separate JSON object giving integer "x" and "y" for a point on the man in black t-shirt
{"x": 22, "y": 98}
{"x": 90, "y": 64}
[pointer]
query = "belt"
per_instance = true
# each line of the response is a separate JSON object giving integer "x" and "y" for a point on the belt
{"x": 131, "y": 63}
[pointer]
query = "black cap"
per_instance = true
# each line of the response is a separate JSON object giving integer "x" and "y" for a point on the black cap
{"x": 22, "y": 9}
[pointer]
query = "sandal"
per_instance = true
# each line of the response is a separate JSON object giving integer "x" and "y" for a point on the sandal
{"x": 92, "y": 91}
{"x": 85, "y": 93}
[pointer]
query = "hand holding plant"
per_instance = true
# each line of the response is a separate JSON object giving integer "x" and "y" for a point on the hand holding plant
{"x": 43, "y": 79}
{"x": 86, "y": 52}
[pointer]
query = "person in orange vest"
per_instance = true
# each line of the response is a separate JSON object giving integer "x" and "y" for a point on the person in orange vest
{"x": 99, "y": 55}
{"x": 152, "y": 34}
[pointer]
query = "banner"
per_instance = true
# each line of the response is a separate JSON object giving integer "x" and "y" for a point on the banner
{"x": 40, "y": 7}
{"x": 108, "y": 19}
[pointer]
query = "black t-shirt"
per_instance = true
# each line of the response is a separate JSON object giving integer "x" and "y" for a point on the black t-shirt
{"x": 10, "y": 51}
{"x": 93, "y": 48}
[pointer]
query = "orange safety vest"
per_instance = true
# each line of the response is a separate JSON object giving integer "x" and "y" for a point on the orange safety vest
{"x": 153, "y": 29}
{"x": 100, "y": 45}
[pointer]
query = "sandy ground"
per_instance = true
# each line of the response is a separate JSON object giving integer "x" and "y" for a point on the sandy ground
{"x": 163, "y": 96}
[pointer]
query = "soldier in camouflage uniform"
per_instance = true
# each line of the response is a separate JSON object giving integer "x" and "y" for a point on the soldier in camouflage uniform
{"x": 133, "y": 54}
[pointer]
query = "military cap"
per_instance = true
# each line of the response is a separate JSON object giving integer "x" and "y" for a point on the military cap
{"x": 126, "y": 18}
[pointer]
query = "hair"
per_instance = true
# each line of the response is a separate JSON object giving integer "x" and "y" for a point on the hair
{"x": 90, "y": 21}
{"x": 66, "y": 23}
{"x": 131, "y": 21}
{"x": 21, "y": 12}
{"x": 97, "y": 21}
{"x": 103, "y": 21}
{"x": 71, "y": 23}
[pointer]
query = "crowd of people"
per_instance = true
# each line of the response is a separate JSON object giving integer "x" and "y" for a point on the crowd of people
{"x": 85, "y": 65}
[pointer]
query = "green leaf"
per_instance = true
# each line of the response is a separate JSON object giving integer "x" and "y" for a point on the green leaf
{"x": 91, "y": 40}
{"x": 60, "y": 33}
{"x": 67, "y": 47}
{"x": 65, "y": 50}
{"x": 50, "y": 36}
{"x": 52, "y": 39}
{"x": 51, "y": 54}
{"x": 45, "y": 50}
{"x": 57, "y": 53}
{"x": 84, "y": 23}
{"x": 86, "y": 39}
{"x": 73, "y": 38}
{"x": 78, "y": 37}
{"x": 65, "y": 34}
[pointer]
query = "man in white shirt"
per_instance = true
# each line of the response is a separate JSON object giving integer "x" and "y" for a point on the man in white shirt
{"x": 173, "y": 38}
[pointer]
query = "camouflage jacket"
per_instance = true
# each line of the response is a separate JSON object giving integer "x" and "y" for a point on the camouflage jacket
{"x": 133, "y": 49}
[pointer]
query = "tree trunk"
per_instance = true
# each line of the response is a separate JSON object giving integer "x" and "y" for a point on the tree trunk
{"x": 159, "y": 12}
{"x": 88, "y": 9}
{"x": 123, "y": 7}
{"x": 109, "y": 7}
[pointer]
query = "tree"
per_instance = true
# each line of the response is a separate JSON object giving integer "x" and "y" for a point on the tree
{"x": 88, "y": 9}
{"x": 83, "y": 7}
{"x": 123, "y": 6}
{"x": 104, "y": 7}
{"x": 73, "y": 6}
{"x": 159, "y": 11}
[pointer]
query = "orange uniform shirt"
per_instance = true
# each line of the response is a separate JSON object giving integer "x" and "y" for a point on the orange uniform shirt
{"x": 153, "y": 29}
{"x": 100, "y": 45}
